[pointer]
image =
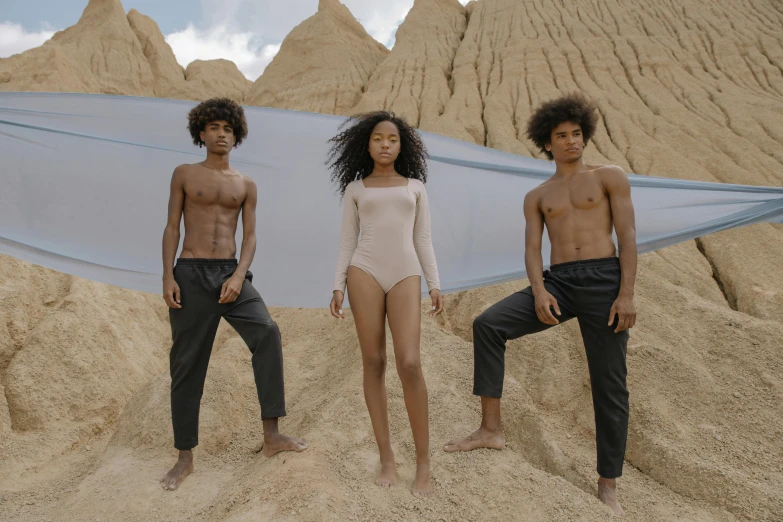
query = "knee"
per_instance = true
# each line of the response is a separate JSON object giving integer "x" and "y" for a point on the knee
{"x": 486, "y": 331}
{"x": 268, "y": 330}
{"x": 409, "y": 369}
{"x": 482, "y": 325}
{"x": 263, "y": 337}
{"x": 375, "y": 365}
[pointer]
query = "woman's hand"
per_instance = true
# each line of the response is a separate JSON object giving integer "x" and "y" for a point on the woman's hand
{"x": 437, "y": 302}
{"x": 336, "y": 306}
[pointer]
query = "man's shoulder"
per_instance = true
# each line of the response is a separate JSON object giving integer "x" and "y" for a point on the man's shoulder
{"x": 534, "y": 194}
{"x": 613, "y": 178}
{"x": 610, "y": 171}
{"x": 185, "y": 168}
{"x": 247, "y": 180}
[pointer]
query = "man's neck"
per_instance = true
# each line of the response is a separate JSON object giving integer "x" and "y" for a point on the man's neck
{"x": 567, "y": 169}
{"x": 217, "y": 161}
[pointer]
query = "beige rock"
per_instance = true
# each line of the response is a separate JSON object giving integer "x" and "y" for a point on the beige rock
{"x": 169, "y": 75}
{"x": 215, "y": 78}
{"x": 322, "y": 64}
{"x": 71, "y": 355}
{"x": 414, "y": 80}
{"x": 100, "y": 54}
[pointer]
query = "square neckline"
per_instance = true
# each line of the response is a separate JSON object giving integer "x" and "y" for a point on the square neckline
{"x": 395, "y": 186}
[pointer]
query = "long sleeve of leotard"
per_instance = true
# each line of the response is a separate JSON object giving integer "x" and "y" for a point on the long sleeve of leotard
{"x": 422, "y": 240}
{"x": 349, "y": 238}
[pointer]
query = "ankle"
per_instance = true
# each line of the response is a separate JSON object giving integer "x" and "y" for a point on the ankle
{"x": 492, "y": 428}
{"x": 185, "y": 457}
{"x": 608, "y": 483}
{"x": 387, "y": 458}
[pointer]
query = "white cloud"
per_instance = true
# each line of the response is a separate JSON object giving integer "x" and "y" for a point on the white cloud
{"x": 249, "y": 54}
{"x": 382, "y": 23}
{"x": 15, "y": 39}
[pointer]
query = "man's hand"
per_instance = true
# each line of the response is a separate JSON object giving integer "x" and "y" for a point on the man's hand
{"x": 623, "y": 308}
{"x": 336, "y": 306}
{"x": 437, "y": 302}
{"x": 171, "y": 292}
{"x": 545, "y": 301}
{"x": 231, "y": 289}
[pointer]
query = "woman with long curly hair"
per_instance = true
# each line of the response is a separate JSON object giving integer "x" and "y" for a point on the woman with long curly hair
{"x": 379, "y": 164}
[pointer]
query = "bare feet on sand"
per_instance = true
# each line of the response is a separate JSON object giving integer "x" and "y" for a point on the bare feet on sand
{"x": 388, "y": 476}
{"x": 607, "y": 492}
{"x": 181, "y": 469}
{"x": 481, "y": 438}
{"x": 277, "y": 442}
{"x": 422, "y": 485}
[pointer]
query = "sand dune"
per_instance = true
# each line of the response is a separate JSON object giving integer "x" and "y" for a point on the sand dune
{"x": 686, "y": 89}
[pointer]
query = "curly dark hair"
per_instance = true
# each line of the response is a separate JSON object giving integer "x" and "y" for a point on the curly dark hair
{"x": 573, "y": 107}
{"x": 349, "y": 157}
{"x": 217, "y": 109}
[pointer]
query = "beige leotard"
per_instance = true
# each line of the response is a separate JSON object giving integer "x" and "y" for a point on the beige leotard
{"x": 395, "y": 240}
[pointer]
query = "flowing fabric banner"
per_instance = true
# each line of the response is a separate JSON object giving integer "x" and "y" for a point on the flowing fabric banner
{"x": 84, "y": 187}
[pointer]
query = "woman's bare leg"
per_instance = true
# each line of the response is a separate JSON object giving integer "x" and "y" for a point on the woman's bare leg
{"x": 403, "y": 308}
{"x": 369, "y": 312}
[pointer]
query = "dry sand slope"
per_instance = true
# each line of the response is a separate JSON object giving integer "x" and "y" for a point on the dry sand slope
{"x": 689, "y": 89}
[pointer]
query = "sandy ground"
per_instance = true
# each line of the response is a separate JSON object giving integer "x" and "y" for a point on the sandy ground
{"x": 704, "y": 441}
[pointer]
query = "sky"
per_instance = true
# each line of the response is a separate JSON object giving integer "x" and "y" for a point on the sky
{"x": 247, "y": 32}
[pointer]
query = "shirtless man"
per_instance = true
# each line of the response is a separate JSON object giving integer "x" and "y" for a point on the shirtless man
{"x": 579, "y": 205}
{"x": 207, "y": 283}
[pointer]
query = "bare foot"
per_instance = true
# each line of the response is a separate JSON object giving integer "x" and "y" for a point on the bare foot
{"x": 481, "y": 438}
{"x": 387, "y": 477}
{"x": 607, "y": 492}
{"x": 422, "y": 484}
{"x": 277, "y": 442}
{"x": 181, "y": 469}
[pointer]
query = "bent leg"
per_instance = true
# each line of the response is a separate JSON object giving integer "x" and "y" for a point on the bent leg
{"x": 249, "y": 316}
{"x": 403, "y": 308}
{"x": 368, "y": 306}
{"x": 510, "y": 318}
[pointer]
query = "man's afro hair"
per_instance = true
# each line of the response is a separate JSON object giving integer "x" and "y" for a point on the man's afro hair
{"x": 217, "y": 109}
{"x": 572, "y": 107}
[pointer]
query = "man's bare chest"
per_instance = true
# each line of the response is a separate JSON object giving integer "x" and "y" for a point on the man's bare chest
{"x": 228, "y": 193}
{"x": 563, "y": 198}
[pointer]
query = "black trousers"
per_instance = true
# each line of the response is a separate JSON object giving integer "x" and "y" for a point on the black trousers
{"x": 193, "y": 329}
{"x": 585, "y": 290}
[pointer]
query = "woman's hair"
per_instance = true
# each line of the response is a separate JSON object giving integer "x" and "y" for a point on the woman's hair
{"x": 349, "y": 156}
{"x": 213, "y": 110}
{"x": 573, "y": 107}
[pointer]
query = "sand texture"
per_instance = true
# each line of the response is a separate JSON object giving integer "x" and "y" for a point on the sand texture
{"x": 690, "y": 89}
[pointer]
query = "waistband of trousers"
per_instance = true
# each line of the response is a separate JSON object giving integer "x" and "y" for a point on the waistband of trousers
{"x": 586, "y": 263}
{"x": 206, "y": 262}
